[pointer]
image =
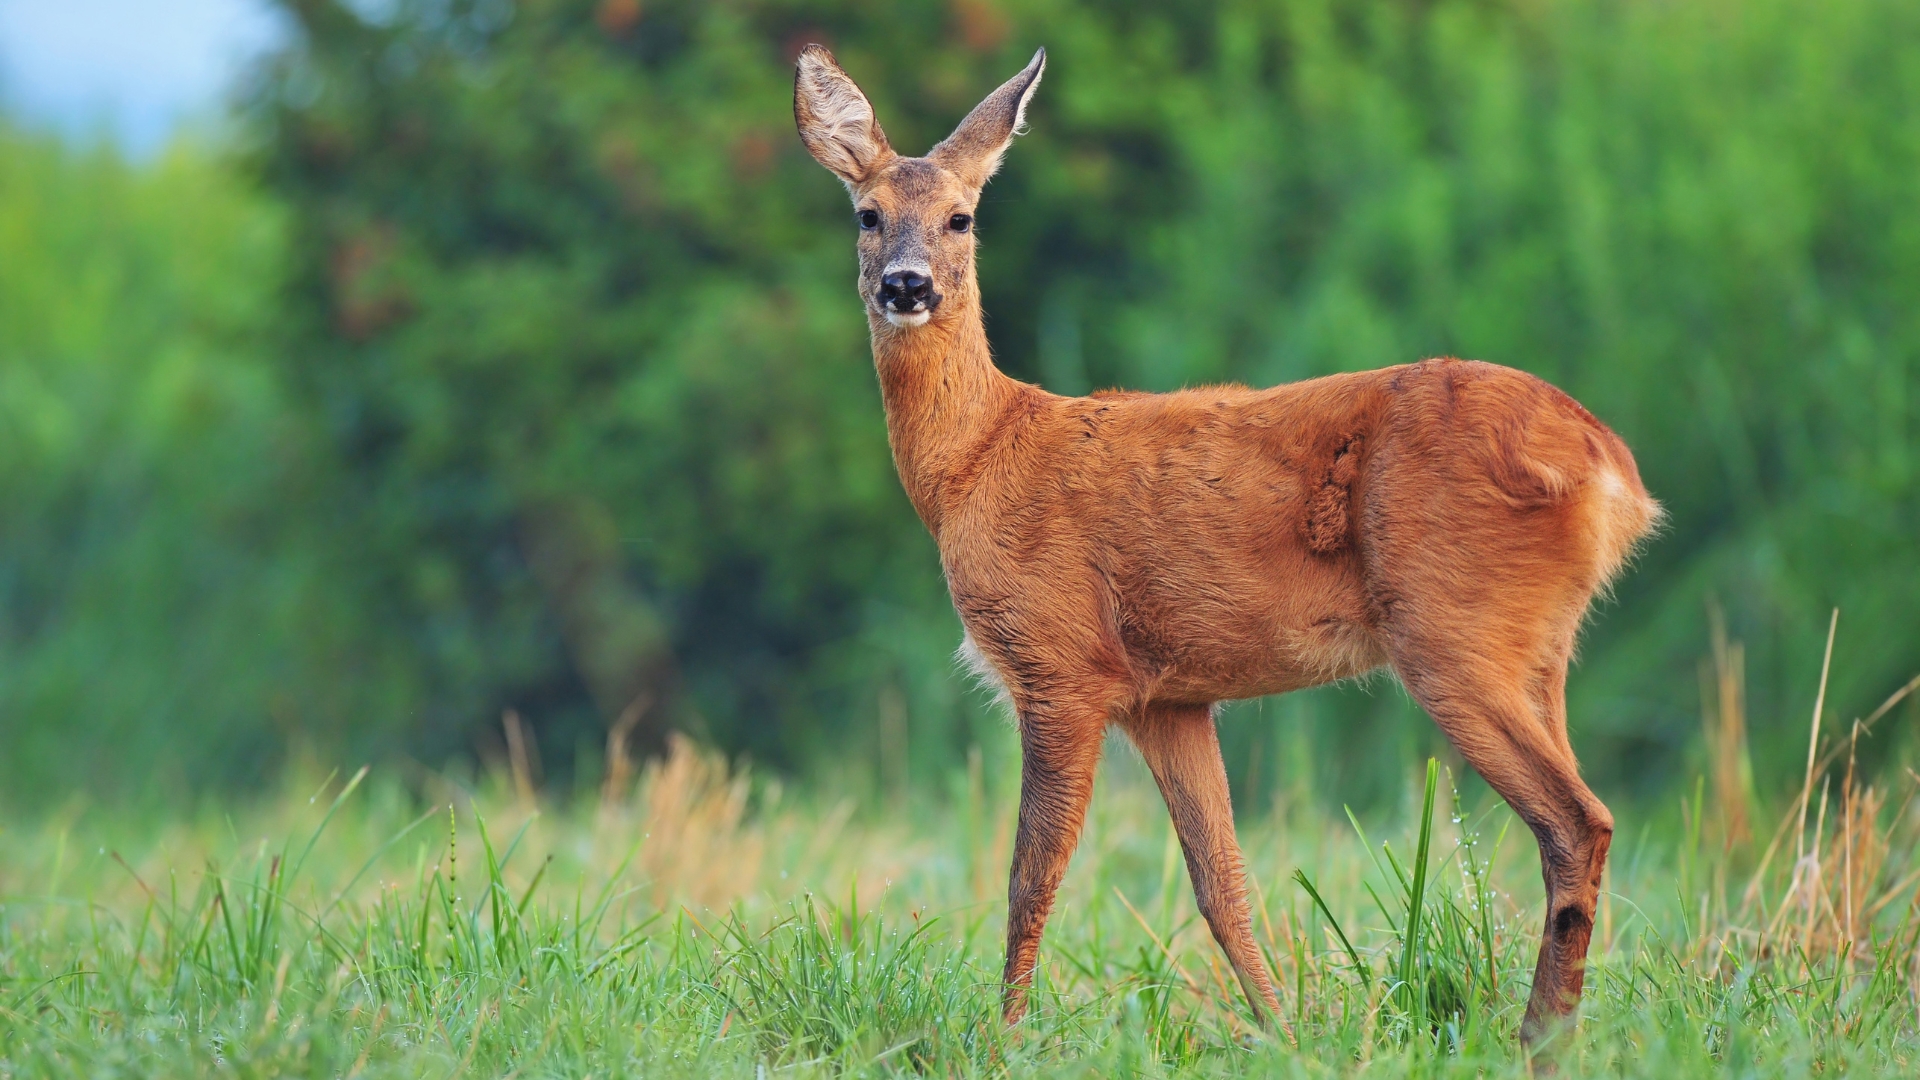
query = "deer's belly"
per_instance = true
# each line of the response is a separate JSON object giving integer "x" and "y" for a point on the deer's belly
{"x": 1282, "y": 659}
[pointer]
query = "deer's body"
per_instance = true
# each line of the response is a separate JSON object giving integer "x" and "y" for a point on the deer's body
{"x": 1225, "y": 543}
{"x": 1133, "y": 559}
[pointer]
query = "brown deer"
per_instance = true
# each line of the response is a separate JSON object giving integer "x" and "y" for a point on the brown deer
{"x": 1133, "y": 559}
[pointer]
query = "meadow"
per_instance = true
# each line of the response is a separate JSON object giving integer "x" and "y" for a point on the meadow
{"x": 697, "y": 920}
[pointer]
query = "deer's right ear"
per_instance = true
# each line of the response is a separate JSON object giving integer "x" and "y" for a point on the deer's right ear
{"x": 835, "y": 119}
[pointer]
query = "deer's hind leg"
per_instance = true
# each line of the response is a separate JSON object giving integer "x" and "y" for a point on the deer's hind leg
{"x": 1182, "y": 748}
{"x": 1508, "y": 720}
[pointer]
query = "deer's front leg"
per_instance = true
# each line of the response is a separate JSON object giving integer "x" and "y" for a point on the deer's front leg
{"x": 1059, "y": 753}
{"x": 1182, "y": 747}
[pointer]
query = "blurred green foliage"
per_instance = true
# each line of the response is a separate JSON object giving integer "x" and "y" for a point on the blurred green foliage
{"x": 518, "y": 363}
{"x": 147, "y": 467}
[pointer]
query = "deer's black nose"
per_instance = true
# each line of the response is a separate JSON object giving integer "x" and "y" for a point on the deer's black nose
{"x": 906, "y": 291}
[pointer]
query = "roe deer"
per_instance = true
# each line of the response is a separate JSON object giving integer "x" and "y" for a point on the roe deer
{"x": 1134, "y": 559}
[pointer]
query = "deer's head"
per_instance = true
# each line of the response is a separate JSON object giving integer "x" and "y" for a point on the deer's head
{"x": 915, "y": 214}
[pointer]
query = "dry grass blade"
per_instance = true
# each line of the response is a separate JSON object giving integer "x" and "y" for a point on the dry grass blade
{"x": 1724, "y": 716}
{"x": 1192, "y": 983}
{"x": 619, "y": 767}
{"x": 522, "y": 756}
{"x": 1866, "y": 726}
{"x": 1813, "y": 740}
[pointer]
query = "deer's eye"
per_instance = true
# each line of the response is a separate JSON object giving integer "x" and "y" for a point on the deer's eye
{"x": 869, "y": 219}
{"x": 960, "y": 222}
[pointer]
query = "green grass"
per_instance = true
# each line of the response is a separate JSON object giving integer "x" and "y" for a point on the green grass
{"x": 708, "y": 925}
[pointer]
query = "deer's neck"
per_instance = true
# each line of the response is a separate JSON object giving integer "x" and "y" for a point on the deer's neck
{"x": 944, "y": 398}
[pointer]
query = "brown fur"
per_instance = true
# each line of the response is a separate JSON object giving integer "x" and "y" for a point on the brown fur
{"x": 1132, "y": 559}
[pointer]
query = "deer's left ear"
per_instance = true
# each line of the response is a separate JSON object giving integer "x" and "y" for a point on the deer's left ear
{"x": 974, "y": 149}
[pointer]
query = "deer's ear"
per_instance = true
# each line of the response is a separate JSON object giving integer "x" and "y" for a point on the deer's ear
{"x": 835, "y": 119}
{"x": 974, "y": 149}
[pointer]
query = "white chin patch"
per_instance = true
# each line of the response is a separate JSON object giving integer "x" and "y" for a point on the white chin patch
{"x": 912, "y": 318}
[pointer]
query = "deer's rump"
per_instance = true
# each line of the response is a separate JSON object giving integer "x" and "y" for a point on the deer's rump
{"x": 1483, "y": 458}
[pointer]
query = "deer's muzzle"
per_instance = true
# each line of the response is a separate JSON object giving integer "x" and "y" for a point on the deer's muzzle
{"x": 907, "y": 292}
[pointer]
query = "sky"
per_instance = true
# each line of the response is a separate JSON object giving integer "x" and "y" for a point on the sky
{"x": 130, "y": 70}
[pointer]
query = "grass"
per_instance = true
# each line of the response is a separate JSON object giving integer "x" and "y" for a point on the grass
{"x": 694, "y": 922}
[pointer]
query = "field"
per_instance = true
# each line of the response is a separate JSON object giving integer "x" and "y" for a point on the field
{"x": 695, "y": 920}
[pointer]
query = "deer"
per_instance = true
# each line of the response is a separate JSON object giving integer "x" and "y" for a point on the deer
{"x": 1131, "y": 560}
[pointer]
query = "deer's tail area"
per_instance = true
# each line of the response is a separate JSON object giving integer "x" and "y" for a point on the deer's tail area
{"x": 1540, "y": 448}
{"x": 1546, "y": 449}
